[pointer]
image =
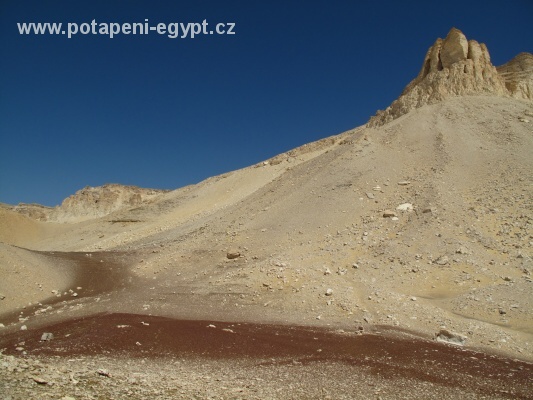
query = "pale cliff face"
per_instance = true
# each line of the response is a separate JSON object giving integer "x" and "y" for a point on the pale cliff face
{"x": 456, "y": 66}
{"x": 94, "y": 202}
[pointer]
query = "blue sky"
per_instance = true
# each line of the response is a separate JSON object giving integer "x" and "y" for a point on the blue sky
{"x": 156, "y": 112}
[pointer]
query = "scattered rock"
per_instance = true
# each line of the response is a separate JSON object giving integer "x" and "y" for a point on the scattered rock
{"x": 405, "y": 207}
{"x": 451, "y": 337}
{"x": 370, "y": 195}
{"x": 211, "y": 326}
{"x": 329, "y": 292}
{"x": 389, "y": 214}
{"x": 103, "y": 372}
{"x": 47, "y": 336}
{"x": 39, "y": 380}
{"x": 23, "y": 328}
{"x": 342, "y": 271}
{"x": 442, "y": 260}
{"x": 404, "y": 183}
{"x": 233, "y": 253}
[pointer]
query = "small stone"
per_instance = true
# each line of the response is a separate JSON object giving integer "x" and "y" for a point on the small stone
{"x": 103, "y": 372}
{"x": 405, "y": 207}
{"x": 231, "y": 254}
{"x": 39, "y": 380}
{"x": 370, "y": 195}
{"x": 47, "y": 336}
{"x": 2, "y": 296}
{"x": 211, "y": 326}
{"x": 404, "y": 183}
{"x": 413, "y": 298}
{"x": 461, "y": 250}
{"x": 342, "y": 271}
{"x": 329, "y": 292}
{"x": 442, "y": 260}
{"x": 389, "y": 214}
{"x": 450, "y": 337}
{"x": 327, "y": 271}
{"x": 23, "y": 328}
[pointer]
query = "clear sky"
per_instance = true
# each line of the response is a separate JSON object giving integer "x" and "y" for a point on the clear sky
{"x": 157, "y": 112}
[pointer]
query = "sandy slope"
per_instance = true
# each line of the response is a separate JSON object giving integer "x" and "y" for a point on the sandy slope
{"x": 312, "y": 220}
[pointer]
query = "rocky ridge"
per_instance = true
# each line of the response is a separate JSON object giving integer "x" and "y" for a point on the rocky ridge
{"x": 455, "y": 66}
{"x": 91, "y": 202}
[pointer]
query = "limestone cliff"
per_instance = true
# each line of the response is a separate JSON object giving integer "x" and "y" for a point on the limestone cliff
{"x": 90, "y": 202}
{"x": 94, "y": 202}
{"x": 518, "y": 76}
{"x": 456, "y": 66}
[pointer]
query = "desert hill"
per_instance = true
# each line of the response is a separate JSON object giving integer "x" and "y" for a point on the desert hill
{"x": 419, "y": 221}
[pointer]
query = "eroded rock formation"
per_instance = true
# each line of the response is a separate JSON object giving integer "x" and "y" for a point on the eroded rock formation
{"x": 456, "y": 66}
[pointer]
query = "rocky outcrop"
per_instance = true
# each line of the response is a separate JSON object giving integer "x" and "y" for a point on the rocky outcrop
{"x": 89, "y": 203}
{"x": 456, "y": 66}
{"x": 95, "y": 202}
{"x": 518, "y": 76}
{"x": 33, "y": 211}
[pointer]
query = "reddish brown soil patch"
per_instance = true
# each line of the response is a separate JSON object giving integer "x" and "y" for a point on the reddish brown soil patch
{"x": 389, "y": 356}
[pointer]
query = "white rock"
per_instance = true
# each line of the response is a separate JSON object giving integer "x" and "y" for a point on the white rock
{"x": 47, "y": 336}
{"x": 405, "y": 207}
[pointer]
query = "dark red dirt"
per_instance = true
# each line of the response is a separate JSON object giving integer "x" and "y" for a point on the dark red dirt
{"x": 387, "y": 355}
